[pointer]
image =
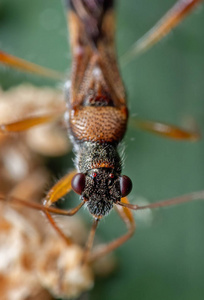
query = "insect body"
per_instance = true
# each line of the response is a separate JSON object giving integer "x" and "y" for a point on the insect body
{"x": 97, "y": 120}
{"x": 97, "y": 109}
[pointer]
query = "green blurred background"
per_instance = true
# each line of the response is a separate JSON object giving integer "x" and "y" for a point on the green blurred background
{"x": 164, "y": 260}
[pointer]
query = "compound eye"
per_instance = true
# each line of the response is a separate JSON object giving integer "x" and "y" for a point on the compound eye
{"x": 78, "y": 183}
{"x": 125, "y": 185}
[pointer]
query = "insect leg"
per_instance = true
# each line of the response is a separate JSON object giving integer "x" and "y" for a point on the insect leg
{"x": 61, "y": 188}
{"x": 46, "y": 211}
{"x": 165, "y": 130}
{"x": 170, "y": 20}
{"x": 25, "y": 66}
{"x": 90, "y": 240}
{"x": 127, "y": 217}
{"x": 17, "y": 201}
{"x": 169, "y": 202}
{"x": 29, "y": 122}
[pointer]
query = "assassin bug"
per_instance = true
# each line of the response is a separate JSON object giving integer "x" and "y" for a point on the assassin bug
{"x": 81, "y": 185}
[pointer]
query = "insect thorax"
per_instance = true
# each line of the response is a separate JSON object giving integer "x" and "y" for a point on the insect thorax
{"x": 92, "y": 155}
{"x": 99, "y": 162}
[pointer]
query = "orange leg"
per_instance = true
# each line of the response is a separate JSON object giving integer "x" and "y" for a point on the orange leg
{"x": 46, "y": 211}
{"x": 127, "y": 217}
{"x": 16, "y": 201}
{"x": 169, "y": 202}
{"x": 26, "y": 66}
{"x": 30, "y": 122}
{"x": 90, "y": 241}
{"x": 165, "y": 130}
{"x": 61, "y": 188}
{"x": 170, "y": 20}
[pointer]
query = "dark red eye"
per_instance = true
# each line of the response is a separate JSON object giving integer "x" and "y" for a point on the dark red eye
{"x": 111, "y": 175}
{"x": 125, "y": 185}
{"x": 78, "y": 183}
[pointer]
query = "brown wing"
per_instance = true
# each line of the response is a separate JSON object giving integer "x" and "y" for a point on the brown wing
{"x": 95, "y": 70}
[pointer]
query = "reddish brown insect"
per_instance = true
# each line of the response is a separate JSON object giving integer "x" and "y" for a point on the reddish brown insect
{"x": 97, "y": 115}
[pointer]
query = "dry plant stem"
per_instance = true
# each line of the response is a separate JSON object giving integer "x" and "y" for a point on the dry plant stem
{"x": 170, "y": 20}
{"x": 173, "y": 201}
{"x": 25, "y": 66}
{"x": 165, "y": 130}
{"x": 127, "y": 217}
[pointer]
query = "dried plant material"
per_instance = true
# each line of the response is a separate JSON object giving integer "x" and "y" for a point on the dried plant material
{"x": 17, "y": 162}
{"x": 34, "y": 183}
{"x": 28, "y": 101}
{"x": 76, "y": 229}
{"x": 60, "y": 270}
{"x": 32, "y": 259}
{"x": 18, "y": 242}
{"x": 28, "y": 245}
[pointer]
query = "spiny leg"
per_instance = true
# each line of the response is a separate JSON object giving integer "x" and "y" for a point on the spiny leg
{"x": 165, "y": 130}
{"x": 127, "y": 217}
{"x": 46, "y": 211}
{"x": 169, "y": 202}
{"x": 61, "y": 188}
{"x": 27, "y": 189}
{"x": 170, "y": 20}
{"x": 30, "y": 122}
{"x": 17, "y": 201}
{"x": 25, "y": 66}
